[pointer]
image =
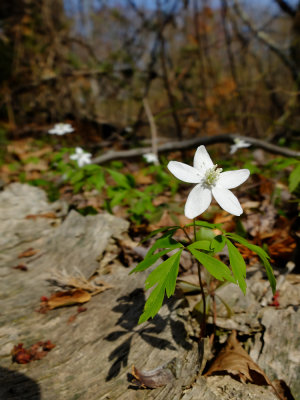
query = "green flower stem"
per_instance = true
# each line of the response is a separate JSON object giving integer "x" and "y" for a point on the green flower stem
{"x": 203, "y": 321}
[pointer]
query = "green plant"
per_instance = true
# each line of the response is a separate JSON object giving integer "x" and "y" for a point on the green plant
{"x": 205, "y": 243}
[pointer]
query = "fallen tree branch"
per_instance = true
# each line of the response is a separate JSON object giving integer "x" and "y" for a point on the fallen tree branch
{"x": 192, "y": 143}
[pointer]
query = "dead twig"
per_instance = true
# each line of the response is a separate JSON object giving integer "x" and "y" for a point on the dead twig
{"x": 153, "y": 129}
{"x": 191, "y": 143}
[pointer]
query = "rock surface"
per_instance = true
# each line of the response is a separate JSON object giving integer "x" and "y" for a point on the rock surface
{"x": 94, "y": 350}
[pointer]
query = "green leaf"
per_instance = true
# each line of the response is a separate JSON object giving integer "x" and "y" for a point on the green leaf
{"x": 215, "y": 267}
{"x": 262, "y": 255}
{"x": 294, "y": 178}
{"x": 165, "y": 242}
{"x": 97, "y": 180}
{"x": 92, "y": 168}
{"x": 238, "y": 265}
{"x": 119, "y": 178}
{"x": 148, "y": 261}
{"x": 117, "y": 198}
{"x": 163, "y": 229}
{"x": 164, "y": 276}
{"x": 218, "y": 243}
{"x": 200, "y": 245}
{"x": 207, "y": 225}
{"x": 77, "y": 176}
{"x": 205, "y": 234}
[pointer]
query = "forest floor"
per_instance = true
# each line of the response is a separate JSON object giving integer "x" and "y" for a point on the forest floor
{"x": 70, "y": 308}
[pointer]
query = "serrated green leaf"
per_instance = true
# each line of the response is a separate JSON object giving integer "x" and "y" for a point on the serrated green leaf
{"x": 163, "y": 229}
{"x": 119, "y": 178}
{"x": 164, "y": 276}
{"x": 294, "y": 178}
{"x": 117, "y": 198}
{"x": 200, "y": 245}
{"x": 148, "y": 261}
{"x": 97, "y": 180}
{"x": 238, "y": 265}
{"x": 215, "y": 267}
{"x": 262, "y": 255}
{"x": 156, "y": 299}
{"x": 165, "y": 242}
{"x": 77, "y": 176}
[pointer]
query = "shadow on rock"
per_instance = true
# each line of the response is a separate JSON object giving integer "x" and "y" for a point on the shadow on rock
{"x": 17, "y": 386}
{"x": 131, "y": 307}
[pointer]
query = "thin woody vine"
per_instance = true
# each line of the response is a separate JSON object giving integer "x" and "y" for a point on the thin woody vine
{"x": 210, "y": 181}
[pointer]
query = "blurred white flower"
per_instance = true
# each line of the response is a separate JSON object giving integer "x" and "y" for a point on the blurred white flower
{"x": 128, "y": 129}
{"x": 150, "y": 157}
{"x": 238, "y": 144}
{"x": 211, "y": 181}
{"x": 81, "y": 156}
{"x": 61, "y": 129}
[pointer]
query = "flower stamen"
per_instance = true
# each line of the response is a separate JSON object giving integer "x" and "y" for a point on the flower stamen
{"x": 212, "y": 175}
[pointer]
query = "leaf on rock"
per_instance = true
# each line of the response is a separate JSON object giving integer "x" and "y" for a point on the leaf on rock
{"x": 37, "y": 351}
{"x": 155, "y": 378}
{"x": 49, "y": 214}
{"x": 28, "y": 253}
{"x": 234, "y": 360}
{"x": 68, "y": 298}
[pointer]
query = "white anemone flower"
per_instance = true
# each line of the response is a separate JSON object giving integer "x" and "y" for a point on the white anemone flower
{"x": 150, "y": 158}
{"x": 61, "y": 129}
{"x": 81, "y": 156}
{"x": 238, "y": 144}
{"x": 211, "y": 182}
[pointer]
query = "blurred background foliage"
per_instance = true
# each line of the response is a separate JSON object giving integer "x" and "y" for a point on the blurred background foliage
{"x": 206, "y": 67}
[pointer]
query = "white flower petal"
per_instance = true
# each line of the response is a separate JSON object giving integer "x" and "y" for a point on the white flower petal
{"x": 79, "y": 151}
{"x": 197, "y": 202}
{"x": 202, "y": 160}
{"x": 184, "y": 172}
{"x": 232, "y": 179}
{"x": 227, "y": 200}
{"x": 233, "y": 148}
{"x": 74, "y": 157}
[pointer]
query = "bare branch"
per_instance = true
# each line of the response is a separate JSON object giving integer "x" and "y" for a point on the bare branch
{"x": 286, "y": 7}
{"x": 264, "y": 38}
{"x": 192, "y": 143}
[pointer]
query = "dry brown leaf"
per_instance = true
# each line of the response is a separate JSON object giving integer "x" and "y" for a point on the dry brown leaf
{"x": 66, "y": 281}
{"x": 142, "y": 179}
{"x": 49, "y": 214}
{"x": 155, "y": 378}
{"x": 234, "y": 360}
{"x": 158, "y": 200}
{"x": 68, "y": 298}
{"x": 283, "y": 389}
{"x": 40, "y": 166}
{"x": 20, "y": 148}
{"x": 28, "y": 253}
{"x": 226, "y": 219}
{"x": 37, "y": 351}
